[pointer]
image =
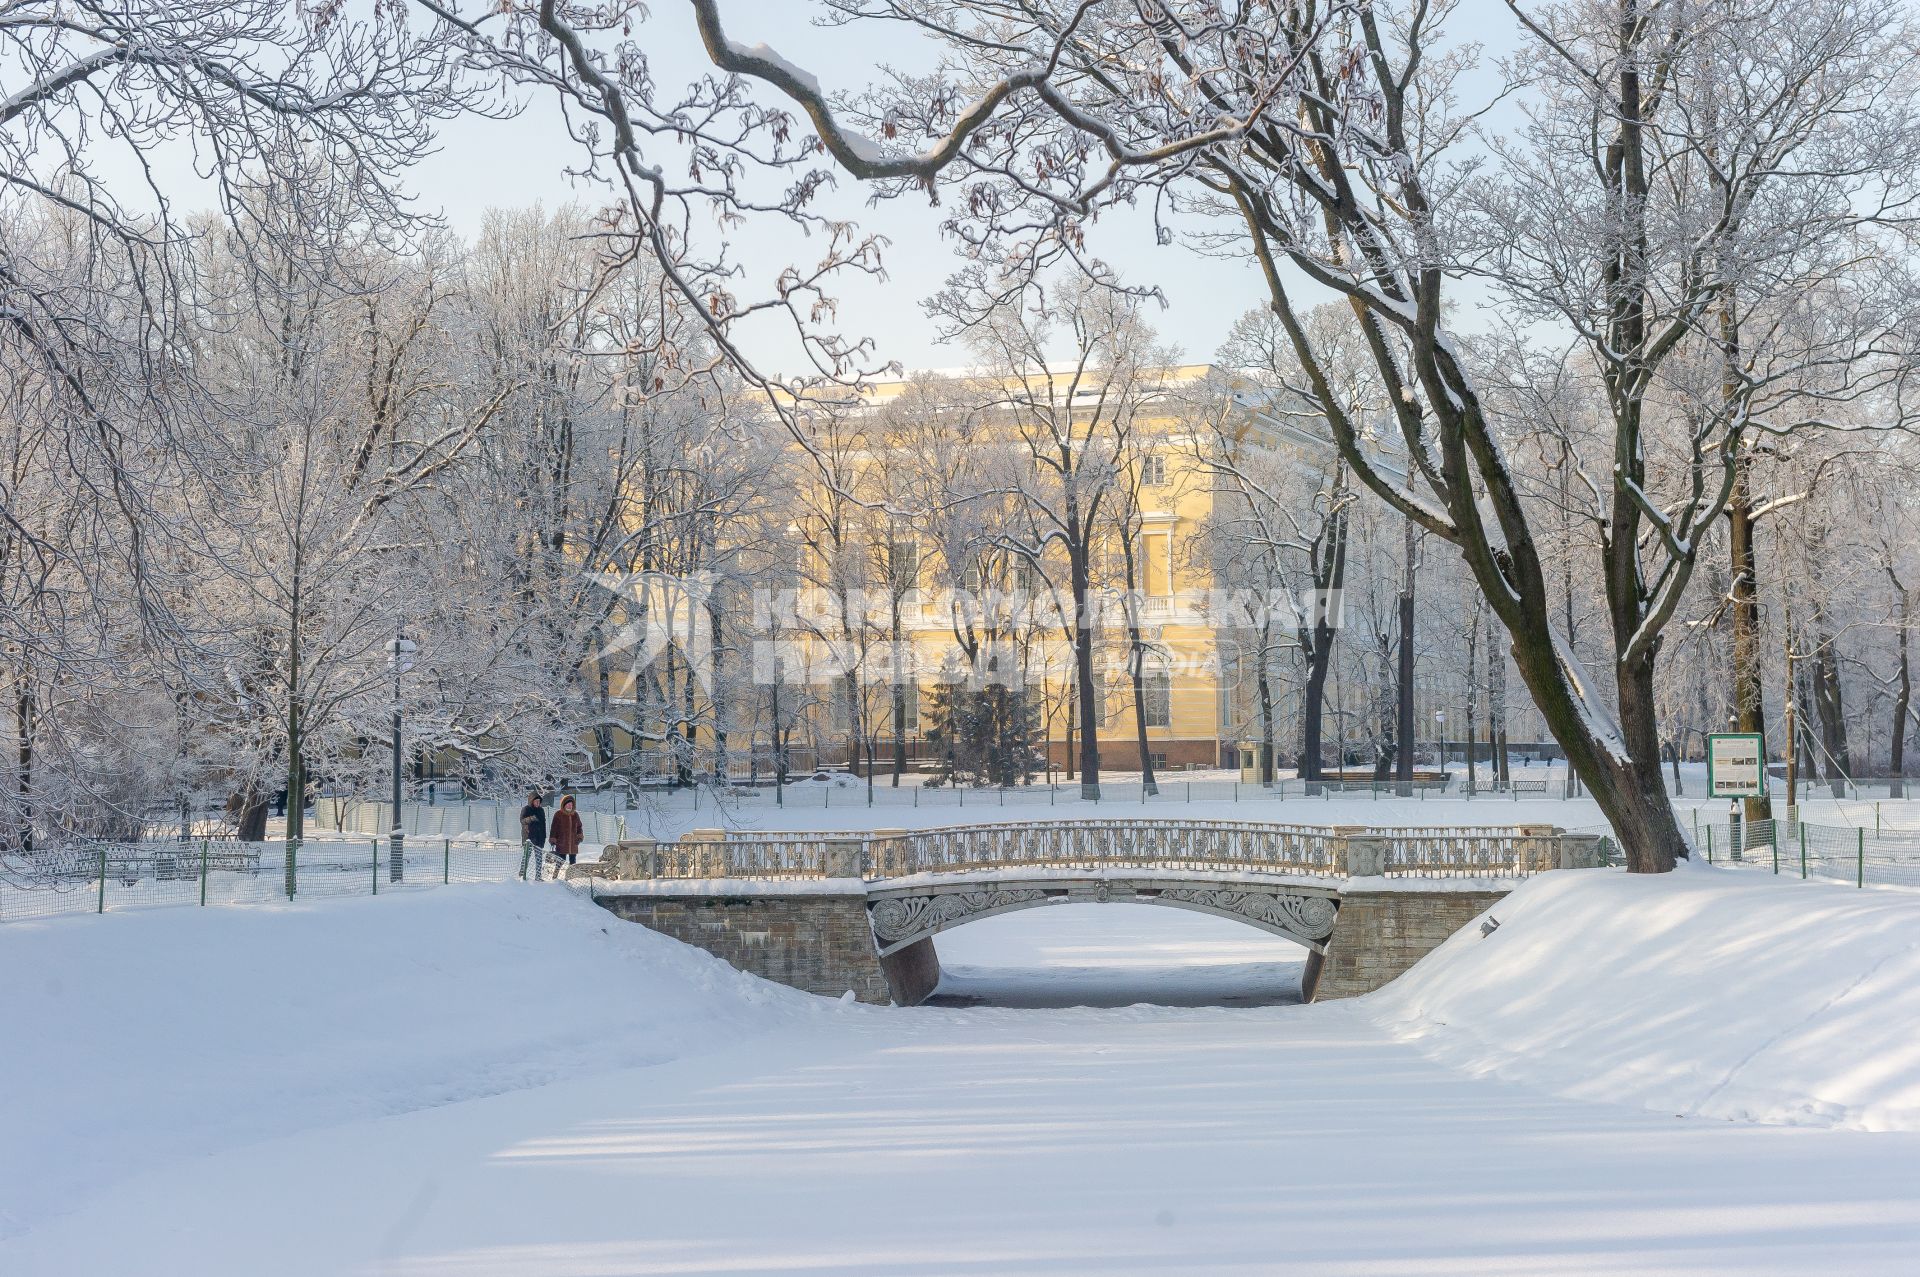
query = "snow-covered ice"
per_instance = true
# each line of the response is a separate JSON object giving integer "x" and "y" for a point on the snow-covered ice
{"x": 504, "y": 1080}
{"x": 1116, "y": 955}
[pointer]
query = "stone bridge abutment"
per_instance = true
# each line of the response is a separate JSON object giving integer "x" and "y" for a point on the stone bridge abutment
{"x": 822, "y": 913}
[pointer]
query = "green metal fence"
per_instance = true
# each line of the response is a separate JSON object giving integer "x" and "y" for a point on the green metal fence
{"x": 97, "y": 878}
{"x": 1852, "y": 854}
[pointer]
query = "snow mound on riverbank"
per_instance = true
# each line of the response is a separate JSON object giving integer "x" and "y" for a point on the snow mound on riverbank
{"x": 1709, "y": 993}
{"x": 139, "y": 1038}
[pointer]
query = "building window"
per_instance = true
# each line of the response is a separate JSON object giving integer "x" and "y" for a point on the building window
{"x": 1156, "y": 694}
{"x": 1026, "y": 579}
{"x": 1158, "y": 760}
{"x": 909, "y": 699}
{"x": 903, "y": 564}
{"x": 1098, "y": 714}
{"x": 1153, "y": 561}
{"x": 1153, "y": 470}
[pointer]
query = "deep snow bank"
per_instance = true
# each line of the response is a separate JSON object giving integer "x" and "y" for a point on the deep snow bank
{"x": 140, "y": 1038}
{"x": 1716, "y": 993}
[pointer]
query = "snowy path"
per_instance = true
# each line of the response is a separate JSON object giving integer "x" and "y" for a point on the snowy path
{"x": 1021, "y": 1142}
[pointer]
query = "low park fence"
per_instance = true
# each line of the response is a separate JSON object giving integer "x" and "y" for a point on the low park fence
{"x": 446, "y": 820}
{"x": 846, "y": 791}
{"x": 96, "y": 877}
{"x": 1855, "y": 854}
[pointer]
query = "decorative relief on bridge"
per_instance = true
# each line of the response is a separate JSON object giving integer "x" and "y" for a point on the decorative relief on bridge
{"x": 1309, "y": 917}
{"x": 899, "y": 917}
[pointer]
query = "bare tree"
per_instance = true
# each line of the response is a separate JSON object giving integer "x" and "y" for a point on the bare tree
{"x": 1071, "y": 423}
{"x": 1327, "y": 133}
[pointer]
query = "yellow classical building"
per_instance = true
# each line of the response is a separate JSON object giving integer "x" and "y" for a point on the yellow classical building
{"x": 925, "y": 534}
{"x": 984, "y": 581}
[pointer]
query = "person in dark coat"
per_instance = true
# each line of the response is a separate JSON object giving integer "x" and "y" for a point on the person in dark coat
{"x": 533, "y": 823}
{"x": 533, "y": 836}
{"x": 567, "y": 831}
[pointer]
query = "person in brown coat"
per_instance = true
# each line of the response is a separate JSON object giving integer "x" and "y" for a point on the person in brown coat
{"x": 567, "y": 831}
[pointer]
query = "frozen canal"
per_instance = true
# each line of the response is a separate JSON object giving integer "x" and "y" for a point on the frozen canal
{"x": 503, "y": 1081}
{"x": 1113, "y": 956}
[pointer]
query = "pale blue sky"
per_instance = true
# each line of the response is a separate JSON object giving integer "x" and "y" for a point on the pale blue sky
{"x": 486, "y": 163}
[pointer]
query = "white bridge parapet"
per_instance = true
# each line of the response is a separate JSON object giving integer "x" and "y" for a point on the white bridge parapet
{"x": 1321, "y": 851}
{"x": 859, "y": 909}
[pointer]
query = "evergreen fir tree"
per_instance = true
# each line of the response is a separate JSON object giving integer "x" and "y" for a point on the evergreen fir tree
{"x": 982, "y": 734}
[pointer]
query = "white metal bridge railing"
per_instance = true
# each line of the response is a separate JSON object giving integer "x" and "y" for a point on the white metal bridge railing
{"x": 1204, "y": 845}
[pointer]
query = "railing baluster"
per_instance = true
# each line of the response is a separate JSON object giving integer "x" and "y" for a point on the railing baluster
{"x": 1107, "y": 843}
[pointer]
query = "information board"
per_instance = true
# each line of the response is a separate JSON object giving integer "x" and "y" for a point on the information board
{"x": 1736, "y": 765}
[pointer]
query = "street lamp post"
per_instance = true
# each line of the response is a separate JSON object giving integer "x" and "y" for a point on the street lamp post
{"x": 400, "y": 650}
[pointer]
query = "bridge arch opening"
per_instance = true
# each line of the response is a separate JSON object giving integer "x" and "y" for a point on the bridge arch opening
{"x": 1112, "y": 954}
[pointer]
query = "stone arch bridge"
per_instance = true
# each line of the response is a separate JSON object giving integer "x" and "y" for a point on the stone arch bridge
{"x": 859, "y": 910}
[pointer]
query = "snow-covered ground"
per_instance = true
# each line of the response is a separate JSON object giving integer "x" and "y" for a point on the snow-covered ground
{"x": 504, "y": 1080}
{"x": 1716, "y": 993}
{"x": 143, "y": 1039}
{"x": 669, "y": 817}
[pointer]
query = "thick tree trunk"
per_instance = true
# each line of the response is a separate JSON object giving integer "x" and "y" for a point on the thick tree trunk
{"x": 679, "y": 683}
{"x": 1473, "y": 701}
{"x": 1079, "y": 571}
{"x": 899, "y": 699}
{"x": 1633, "y": 798}
{"x": 1148, "y": 785}
{"x": 24, "y": 721}
{"x": 1386, "y": 714}
{"x": 899, "y": 736}
{"x": 1266, "y": 720}
{"x": 1403, "y": 760}
{"x": 1313, "y": 703}
{"x": 250, "y": 814}
{"x": 1497, "y": 715}
{"x": 603, "y": 697}
{"x": 1639, "y": 796}
{"x": 1136, "y": 671}
{"x": 1902, "y": 702}
{"x": 1833, "y": 719}
{"x": 689, "y": 725}
{"x": 1574, "y": 786}
{"x": 1749, "y": 708}
{"x": 1329, "y": 578}
{"x": 296, "y": 825}
{"x": 774, "y": 735}
{"x": 850, "y": 688}
{"x": 1070, "y": 766}
{"x": 1472, "y": 746}
{"x": 718, "y": 694}
{"x": 1803, "y": 743}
